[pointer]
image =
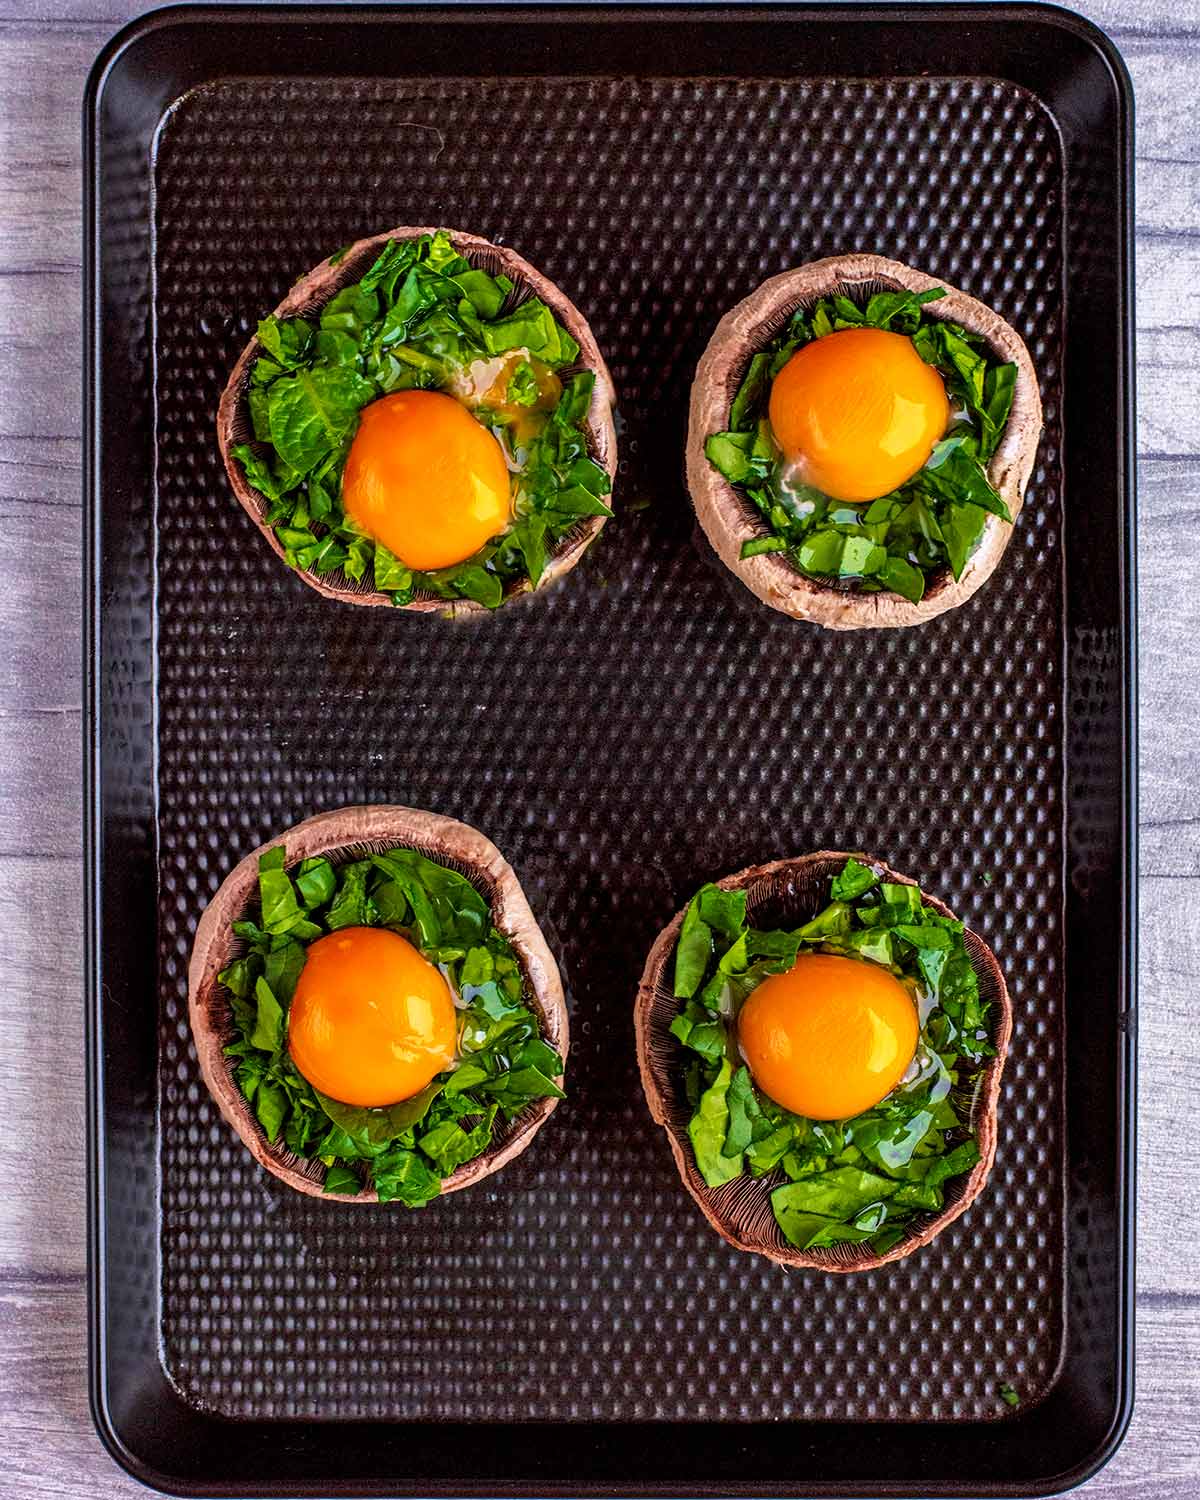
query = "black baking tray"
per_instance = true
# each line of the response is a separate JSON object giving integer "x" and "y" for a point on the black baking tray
{"x": 572, "y": 1326}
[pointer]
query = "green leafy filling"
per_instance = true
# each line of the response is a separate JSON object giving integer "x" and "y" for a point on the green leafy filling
{"x": 933, "y": 521}
{"x": 402, "y": 1151}
{"x": 419, "y": 319}
{"x": 857, "y": 1180}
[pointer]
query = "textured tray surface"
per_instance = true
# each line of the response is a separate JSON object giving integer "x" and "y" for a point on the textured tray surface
{"x": 641, "y": 728}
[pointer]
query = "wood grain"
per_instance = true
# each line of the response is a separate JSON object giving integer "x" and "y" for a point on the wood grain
{"x": 1123, "y": 19}
{"x": 51, "y": 1453}
{"x": 1169, "y": 659}
{"x": 45, "y": 51}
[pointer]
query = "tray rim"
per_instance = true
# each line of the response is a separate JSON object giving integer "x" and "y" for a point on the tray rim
{"x": 1037, "y": 12}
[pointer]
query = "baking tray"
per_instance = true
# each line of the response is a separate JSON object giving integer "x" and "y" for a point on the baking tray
{"x": 572, "y": 1326}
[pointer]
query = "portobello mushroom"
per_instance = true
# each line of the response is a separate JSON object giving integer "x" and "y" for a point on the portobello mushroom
{"x": 729, "y": 519}
{"x": 342, "y": 835}
{"x": 309, "y": 296}
{"x": 786, "y": 893}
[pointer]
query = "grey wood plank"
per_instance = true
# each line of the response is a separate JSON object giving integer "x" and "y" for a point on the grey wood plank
{"x": 41, "y": 796}
{"x": 42, "y": 1068}
{"x": 44, "y": 56}
{"x": 42, "y": 469}
{"x": 1168, "y": 278}
{"x": 1168, "y": 210}
{"x": 40, "y": 312}
{"x": 41, "y": 736}
{"x": 51, "y": 1452}
{"x": 39, "y": 686}
{"x": 1169, "y": 1076}
{"x": 41, "y": 93}
{"x": 1168, "y": 384}
{"x": 41, "y": 81}
{"x": 40, "y": 1017}
{"x": 40, "y": 318}
{"x": 41, "y": 556}
{"x": 1168, "y": 113}
{"x": 1169, "y": 656}
{"x": 1119, "y": 17}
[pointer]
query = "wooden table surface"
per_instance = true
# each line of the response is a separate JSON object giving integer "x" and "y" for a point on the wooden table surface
{"x": 47, "y": 1446}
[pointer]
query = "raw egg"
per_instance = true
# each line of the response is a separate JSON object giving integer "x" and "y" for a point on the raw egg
{"x": 829, "y": 1038}
{"x": 426, "y": 479}
{"x": 489, "y": 383}
{"x": 372, "y": 1021}
{"x": 858, "y": 412}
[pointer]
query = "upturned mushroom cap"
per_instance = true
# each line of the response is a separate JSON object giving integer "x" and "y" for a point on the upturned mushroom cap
{"x": 729, "y": 519}
{"x": 310, "y": 294}
{"x": 349, "y": 833}
{"x": 783, "y": 893}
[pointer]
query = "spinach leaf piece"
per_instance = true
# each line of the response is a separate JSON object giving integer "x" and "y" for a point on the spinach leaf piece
{"x": 854, "y": 880}
{"x": 697, "y": 1028}
{"x": 282, "y": 967}
{"x": 743, "y": 1111}
{"x": 750, "y": 393}
{"x": 841, "y": 1193}
{"x": 534, "y": 328}
{"x": 340, "y": 1178}
{"x": 376, "y": 1127}
{"x": 959, "y": 473}
{"x": 281, "y": 911}
{"x": 286, "y": 343}
{"x": 515, "y": 1089}
{"x": 723, "y": 911}
{"x": 709, "y": 1129}
{"x": 730, "y": 452}
{"x": 270, "y": 1108}
{"x": 758, "y": 545}
{"x": 240, "y": 975}
{"x": 258, "y": 471}
{"x": 313, "y": 413}
{"x": 391, "y": 576}
{"x": 448, "y": 1145}
{"x": 349, "y": 905}
{"x": 483, "y": 292}
{"x": 402, "y": 1176}
{"x": 478, "y": 583}
{"x": 692, "y": 952}
{"x": 268, "y": 1021}
{"x": 315, "y": 881}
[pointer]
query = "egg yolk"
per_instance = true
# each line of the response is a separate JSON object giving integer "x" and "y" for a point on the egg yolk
{"x": 426, "y": 479}
{"x": 371, "y": 1021}
{"x": 858, "y": 412}
{"x": 829, "y": 1038}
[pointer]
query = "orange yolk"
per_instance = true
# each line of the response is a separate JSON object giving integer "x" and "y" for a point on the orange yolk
{"x": 371, "y": 1022}
{"x": 858, "y": 412}
{"x": 426, "y": 479}
{"x": 829, "y": 1038}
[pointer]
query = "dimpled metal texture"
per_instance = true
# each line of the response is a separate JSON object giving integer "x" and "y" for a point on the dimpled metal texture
{"x": 641, "y": 728}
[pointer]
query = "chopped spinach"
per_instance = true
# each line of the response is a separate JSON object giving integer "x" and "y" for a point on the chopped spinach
{"x": 403, "y": 1150}
{"x": 421, "y": 318}
{"x": 935, "y": 519}
{"x": 862, "y": 1179}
